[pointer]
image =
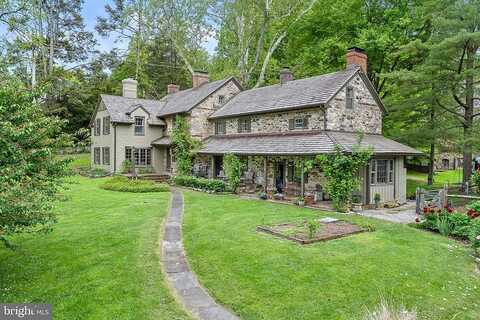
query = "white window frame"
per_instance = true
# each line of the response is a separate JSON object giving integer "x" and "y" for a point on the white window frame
{"x": 96, "y": 155}
{"x": 106, "y": 125}
{"x": 299, "y": 123}
{"x": 389, "y": 172}
{"x": 244, "y": 124}
{"x": 221, "y": 99}
{"x": 139, "y": 129}
{"x": 97, "y": 127}
{"x": 140, "y": 157}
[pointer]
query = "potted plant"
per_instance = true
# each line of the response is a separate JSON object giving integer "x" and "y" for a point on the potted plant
{"x": 377, "y": 199}
{"x": 263, "y": 195}
{"x": 301, "y": 201}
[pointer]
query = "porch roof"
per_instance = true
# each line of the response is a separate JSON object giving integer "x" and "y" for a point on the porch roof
{"x": 301, "y": 143}
{"x": 163, "y": 141}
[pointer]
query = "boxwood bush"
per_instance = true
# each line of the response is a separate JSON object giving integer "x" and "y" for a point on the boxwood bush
{"x": 212, "y": 185}
{"x": 124, "y": 184}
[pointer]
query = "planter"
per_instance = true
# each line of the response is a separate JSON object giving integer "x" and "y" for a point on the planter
{"x": 357, "y": 207}
{"x": 301, "y": 203}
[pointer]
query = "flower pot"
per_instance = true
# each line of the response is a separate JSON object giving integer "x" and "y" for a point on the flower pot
{"x": 301, "y": 203}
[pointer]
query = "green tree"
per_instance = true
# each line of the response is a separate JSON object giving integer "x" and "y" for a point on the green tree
{"x": 30, "y": 172}
{"x": 341, "y": 170}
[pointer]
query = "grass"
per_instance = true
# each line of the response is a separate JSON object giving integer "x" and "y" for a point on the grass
{"x": 124, "y": 184}
{"x": 263, "y": 277}
{"x": 418, "y": 179}
{"x": 100, "y": 262}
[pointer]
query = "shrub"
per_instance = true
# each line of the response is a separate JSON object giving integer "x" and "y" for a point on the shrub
{"x": 312, "y": 226}
{"x": 200, "y": 183}
{"x": 474, "y": 209}
{"x": 124, "y": 184}
{"x": 444, "y": 225}
{"x": 461, "y": 225}
{"x": 476, "y": 180}
{"x": 127, "y": 166}
{"x": 474, "y": 236}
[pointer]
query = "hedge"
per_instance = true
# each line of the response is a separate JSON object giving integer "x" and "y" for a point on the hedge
{"x": 201, "y": 183}
{"x": 124, "y": 184}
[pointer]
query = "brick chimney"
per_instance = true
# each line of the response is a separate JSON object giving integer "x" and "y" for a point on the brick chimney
{"x": 199, "y": 78}
{"x": 129, "y": 88}
{"x": 285, "y": 75}
{"x": 173, "y": 88}
{"x": 357, "y": 57}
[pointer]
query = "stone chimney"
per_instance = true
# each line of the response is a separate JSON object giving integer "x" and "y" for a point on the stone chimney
{"x": 173, "y": 88}
{"x": 199, "y": 78}
{"x": 357, "y": 57}
{"x": 129, "y": 88}
{"x": 285, "y": 75}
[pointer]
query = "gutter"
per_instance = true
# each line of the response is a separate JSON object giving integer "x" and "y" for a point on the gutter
{"x": 114, "y": 148}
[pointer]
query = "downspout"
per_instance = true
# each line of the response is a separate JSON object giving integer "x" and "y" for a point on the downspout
{"x": 114, "y": 148}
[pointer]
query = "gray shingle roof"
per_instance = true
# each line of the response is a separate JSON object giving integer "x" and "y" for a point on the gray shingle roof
{"x": 291, "y": 95}
{"x": 185, "y": 100}
{"x": 301, "y": 143}
{"x": 119, "y": 108}
{"x": 163, "y": 141}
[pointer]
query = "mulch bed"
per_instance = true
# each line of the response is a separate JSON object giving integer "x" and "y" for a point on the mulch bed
{"x": 298, "y": 232}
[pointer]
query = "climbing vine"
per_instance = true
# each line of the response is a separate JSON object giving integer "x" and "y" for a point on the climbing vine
{"x": 233, "y": 167}
{"x": 184, "y": 146}
{"x": 341, "y": 171}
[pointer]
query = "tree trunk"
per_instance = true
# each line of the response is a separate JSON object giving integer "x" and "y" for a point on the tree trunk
{"x": 469, "y": 106}
{"x": 431, "y": 160}
{"x": 34, "y": 70}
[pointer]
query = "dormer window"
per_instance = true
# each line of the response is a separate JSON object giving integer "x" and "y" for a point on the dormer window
{"x": 349, "y": 98}
{"x": 220, "y": 126}
{"x": 139, "y": 126}
{"x": 221, "y": 99}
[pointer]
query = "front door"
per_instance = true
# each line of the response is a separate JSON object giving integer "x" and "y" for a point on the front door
{"x": 169, "y": 160}
{"x": 280, "y": 176}
{"x": 217, "y": 165}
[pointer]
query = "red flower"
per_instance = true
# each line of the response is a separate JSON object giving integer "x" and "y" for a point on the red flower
{"x": 417, "y": 220}
{"x": 450, "y": 210}
{"x": 425, "y": 210}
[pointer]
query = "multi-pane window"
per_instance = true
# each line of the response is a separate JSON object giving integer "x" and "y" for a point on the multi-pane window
{"x": 298, "y": 123}
{"x": 106, "y": 155}
{"x": 244, "y": 124}
{"x": 106, "y": 125}
{"x": 96, "y": 155}
{"x": 349, "y": 98}
{"x": 139, "y": 156}
{"x": 381, "y": 171}
{"x": 139, "y": 126}
{"x": 96, "y": 127}
{"x": 220, "y": 127}
{"x": 221, "y": 99}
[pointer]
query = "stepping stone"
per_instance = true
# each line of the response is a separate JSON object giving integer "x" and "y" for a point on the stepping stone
{"x": 327, "y": 220}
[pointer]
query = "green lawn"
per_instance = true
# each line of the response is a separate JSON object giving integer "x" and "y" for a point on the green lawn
{"x": 100, "y": 262}
{"x": 262, "y": 277}
{"x": 418, "y": 179}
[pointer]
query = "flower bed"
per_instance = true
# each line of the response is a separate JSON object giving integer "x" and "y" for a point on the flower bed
{"x": 449, "y": 222}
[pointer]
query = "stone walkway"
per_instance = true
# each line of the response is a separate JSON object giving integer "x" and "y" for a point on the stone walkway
{"x": 182, "y": 280}
{"x": 403, "y": 214}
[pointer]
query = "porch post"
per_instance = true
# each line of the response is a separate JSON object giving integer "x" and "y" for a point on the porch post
{"x": 302, "y": 179}
{"x": 265, "y": 174}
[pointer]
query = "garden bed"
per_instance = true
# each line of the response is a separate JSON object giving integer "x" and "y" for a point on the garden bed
{"x": 327, "y": 229}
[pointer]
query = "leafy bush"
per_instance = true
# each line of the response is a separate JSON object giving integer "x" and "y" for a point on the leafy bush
{"x": 461, "y": 223}
{"x": 444, "y": 225}
{"x": 476, "y": 180}
{"x": 474, "y": 209}
{"x": 127, "y": 166}
{"x": 474, "y": 236}
{"x": 124, "y": 184}
{"x": 312, "y": 226}
{"x": 200, "y": 183}
{"x": 184, "y": 146}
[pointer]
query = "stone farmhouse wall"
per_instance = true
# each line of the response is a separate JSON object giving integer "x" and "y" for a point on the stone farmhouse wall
{"x": 366, "y": 115}
{"x": 198, "y": 118}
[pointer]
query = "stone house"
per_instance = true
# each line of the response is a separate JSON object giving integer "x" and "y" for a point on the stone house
{"x": 273, "y": 129}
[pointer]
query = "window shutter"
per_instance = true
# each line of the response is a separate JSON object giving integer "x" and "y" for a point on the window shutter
{"x": 305, "y": 123}
{"x": 291, "y": 124}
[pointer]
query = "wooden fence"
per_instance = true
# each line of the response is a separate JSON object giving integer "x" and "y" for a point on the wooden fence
{"x": 439, "y": 198}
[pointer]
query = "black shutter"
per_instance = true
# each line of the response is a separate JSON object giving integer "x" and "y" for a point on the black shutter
{"x": 291, "y": 124}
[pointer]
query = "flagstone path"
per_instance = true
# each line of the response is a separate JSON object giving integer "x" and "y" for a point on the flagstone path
{"x": 181, "y": 278}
